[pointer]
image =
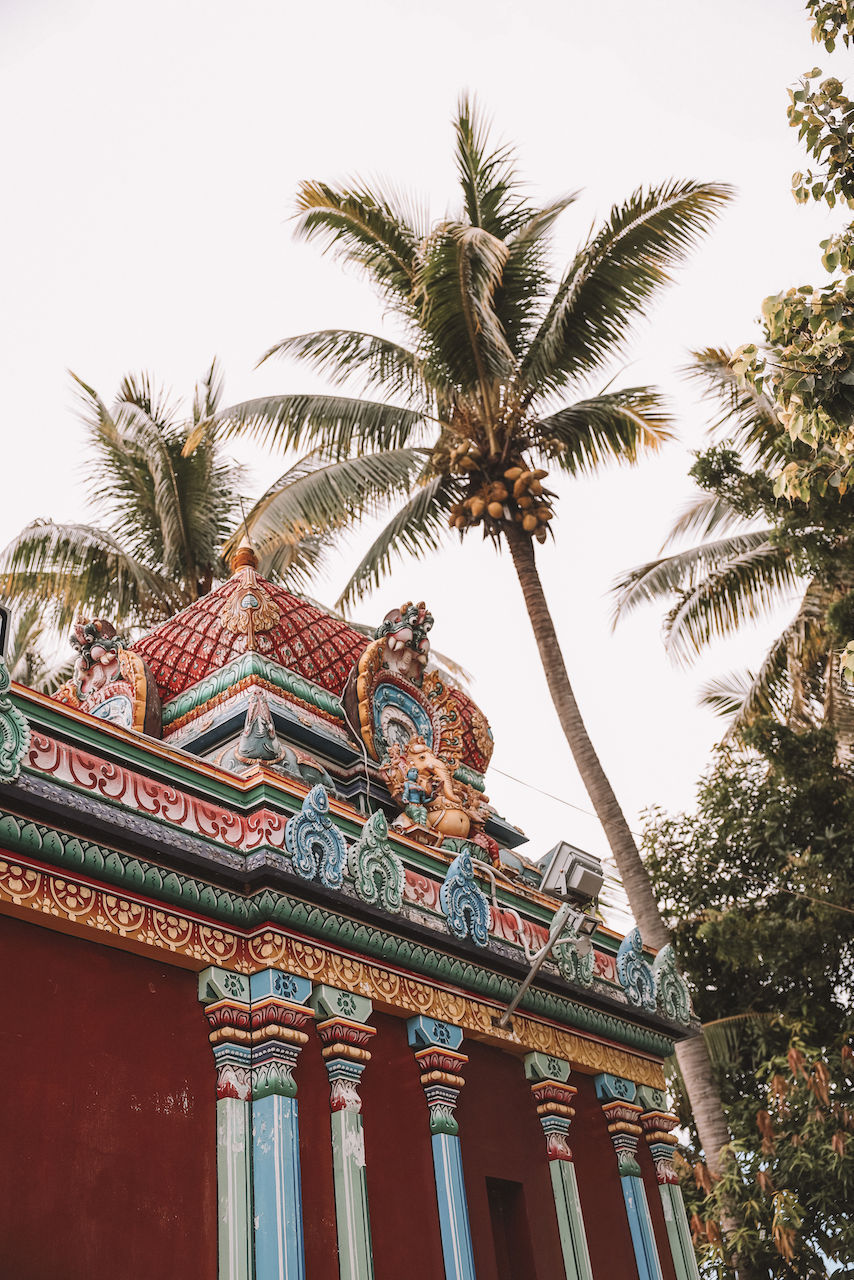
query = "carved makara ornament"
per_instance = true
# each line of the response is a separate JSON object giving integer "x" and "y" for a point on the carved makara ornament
{"x": 14, "y": 731}
{"x": 671, "y": 989}
{"x": 111, "y": 682}
{"x": 317, "y": 848}
{"x": 634, "y": 973}
{"x": 376, "y": 869}
{"x": 464, "y": 903}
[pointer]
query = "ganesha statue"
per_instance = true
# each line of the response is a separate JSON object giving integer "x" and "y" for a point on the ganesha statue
{"x": 433, "y": 802}
{"x": 111, "y": 682}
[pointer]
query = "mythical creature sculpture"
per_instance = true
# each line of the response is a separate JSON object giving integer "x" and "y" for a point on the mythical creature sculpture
{"x": 111, "y": 682}
{"x": 406, "y": 650}
{"x": 429, "y": 795}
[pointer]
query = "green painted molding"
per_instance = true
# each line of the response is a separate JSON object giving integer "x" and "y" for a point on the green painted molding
{"x": 14, "y": 731}
{"x": 469, "y": 777}
{"x": 249, "y": 664}
{"x": 269, "y": 906}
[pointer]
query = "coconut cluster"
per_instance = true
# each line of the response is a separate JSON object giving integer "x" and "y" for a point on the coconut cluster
{"x": 517, "y": 495}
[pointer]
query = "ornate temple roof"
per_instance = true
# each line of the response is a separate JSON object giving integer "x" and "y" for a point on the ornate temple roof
{"x": 212, "y": 632}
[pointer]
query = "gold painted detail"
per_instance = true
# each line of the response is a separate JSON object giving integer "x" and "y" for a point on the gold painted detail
{"x": 135, "y": 925}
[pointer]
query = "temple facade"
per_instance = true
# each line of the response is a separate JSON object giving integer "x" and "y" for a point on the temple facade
{"x": 286, "y": 998}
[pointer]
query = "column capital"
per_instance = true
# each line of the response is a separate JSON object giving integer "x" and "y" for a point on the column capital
{"x": 330, "y": 1002}
{"x": 657, "y": 1124}
{"x": 428, "y": 1033}
{"x": 553, "y": 1098}
{"x": 614, "y": 1088}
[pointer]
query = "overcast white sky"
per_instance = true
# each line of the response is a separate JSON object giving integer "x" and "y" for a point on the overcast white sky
{"x": 150, "y": 155}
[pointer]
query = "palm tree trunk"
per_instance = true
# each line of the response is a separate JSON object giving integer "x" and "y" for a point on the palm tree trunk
{"x": 693, "y": 1057}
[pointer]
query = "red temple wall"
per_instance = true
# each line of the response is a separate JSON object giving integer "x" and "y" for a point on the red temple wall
{"x": 502, "y": 1137}
{"x": 605, "y": 1221}
{"x": 108, "y": 1122}
{"x": 107, "y": 1111}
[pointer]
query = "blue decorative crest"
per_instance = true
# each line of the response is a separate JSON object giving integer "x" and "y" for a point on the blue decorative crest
{"x": 671, "y": 989}
{"x": 463, "y": 902}
{"x": 376, "y": 869}
{"x": 14, "y": 731}
{"x": 634, "y": 973}
{"x": 317, "y": 848}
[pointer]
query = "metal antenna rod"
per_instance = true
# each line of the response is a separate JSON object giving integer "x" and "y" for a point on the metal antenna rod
{"x": 558, "y": 923}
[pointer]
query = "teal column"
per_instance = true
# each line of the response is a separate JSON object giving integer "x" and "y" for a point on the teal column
{"x": 341, "y": 1028}
{"x": 553, "y": 1097}
{"x": 278, "y": 1017}
{"x": 657, "y": 1123}
{"x": 622, "y": 1113}
{"x": 436, "y": 1046}
{"x": 225, "y": 996}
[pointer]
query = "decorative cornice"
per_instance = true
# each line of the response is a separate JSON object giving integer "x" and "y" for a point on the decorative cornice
{"x": 194, "y": 701}
{"x": 76, "y": 904}
{"x": 136, "y": 877}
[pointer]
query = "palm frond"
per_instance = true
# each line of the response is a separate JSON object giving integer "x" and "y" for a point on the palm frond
{"x": 208, "y": 394}
{"x": 614, "y": 277}
{"x": 80, "y": 568}
{"x": 364, "y": 228}
{"x": 707, "y": 514}
{"x": 741, "y": 697}
{"x": 341, "y": 354}
{"x": 416, "y": 528}
{"x": 315, "y": 495}
{"x": 608, "y": 427}
{"x": 739, "y": 589}
{"x": 723, "y": 1035}
{"x": 294, "y": 559}
{"x": 338, "y": 425}
{"x": 459, "y": 276}
{"x": 747, "y": 416}
{"x": 779, "y": 684}
{"x": 680, "y": 572}
{"x": 488, "y": 179}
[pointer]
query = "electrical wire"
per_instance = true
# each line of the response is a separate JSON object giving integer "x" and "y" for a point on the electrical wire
{"x": 821, "y": 902}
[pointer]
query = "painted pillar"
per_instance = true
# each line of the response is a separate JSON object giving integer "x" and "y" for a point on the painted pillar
{"x": 226, "y": 999}
{"x": 657, "y": 1123}
{"x": 344, "y": 1035}
{"x": 278, "y": 1018}
{"x": 622, "y": 1113}
{"x": 436, "y": 1046}
{"x": 553, "y": 1097}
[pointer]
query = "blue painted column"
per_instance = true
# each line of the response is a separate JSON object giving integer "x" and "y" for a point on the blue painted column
{"x": 657, "y": 1123}
{"x": 344, "y": 1036}
{"x": 278, "y": 1017}
{"x": 225, "y": 997}
{"x": 436, "y": 1046}
{"x": 622, "y": 1113}
{"x": 553, "y": 1096}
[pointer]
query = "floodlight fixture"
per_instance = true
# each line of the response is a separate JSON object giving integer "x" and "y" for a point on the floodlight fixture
{"x": 570, "y": 871}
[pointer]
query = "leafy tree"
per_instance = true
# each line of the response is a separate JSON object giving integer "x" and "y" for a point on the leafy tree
{"x": 168, "y": 510}
{"x": 758, "y": 551}
{"x": 492, "y": 347}
{"x": 757, "y": 886}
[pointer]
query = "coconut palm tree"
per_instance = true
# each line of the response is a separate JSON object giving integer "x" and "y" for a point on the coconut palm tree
{"x": 168, "y": 511}
{"x": 492, "y": 352}
{"x": 745, "y": 567}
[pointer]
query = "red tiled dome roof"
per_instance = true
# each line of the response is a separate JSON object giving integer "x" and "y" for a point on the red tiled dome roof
{"x": 198, "y": 641}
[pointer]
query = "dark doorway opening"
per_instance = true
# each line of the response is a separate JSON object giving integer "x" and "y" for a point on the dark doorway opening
{"x": 511, "y": 1234}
